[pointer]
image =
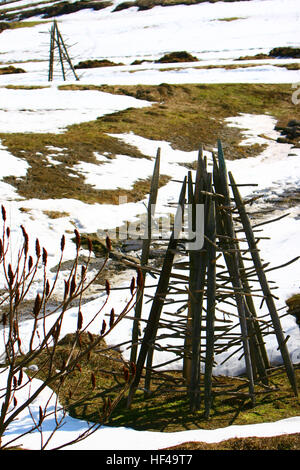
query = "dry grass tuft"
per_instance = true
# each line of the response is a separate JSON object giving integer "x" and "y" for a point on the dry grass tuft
{"x": 285, "y": 442}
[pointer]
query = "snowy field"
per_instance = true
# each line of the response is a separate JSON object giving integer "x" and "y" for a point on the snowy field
{"x": 124, "y": 37}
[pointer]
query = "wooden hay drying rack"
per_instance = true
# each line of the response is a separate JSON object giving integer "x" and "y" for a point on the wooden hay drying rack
{"x": 205, "y": 335}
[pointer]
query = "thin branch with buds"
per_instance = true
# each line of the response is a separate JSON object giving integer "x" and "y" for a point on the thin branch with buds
{"x": 19, "y": 353}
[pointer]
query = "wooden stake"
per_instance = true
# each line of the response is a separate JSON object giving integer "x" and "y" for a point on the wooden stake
{"x": 145, "y": 255}
{"x": 157, "y": 305}
{"x": 233, "y": 268}
{"x": 265, "y": 287}
{"x": 210, "y": 309}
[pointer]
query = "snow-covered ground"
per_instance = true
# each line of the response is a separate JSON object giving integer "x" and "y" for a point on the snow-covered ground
{"x": 123, "y": 37}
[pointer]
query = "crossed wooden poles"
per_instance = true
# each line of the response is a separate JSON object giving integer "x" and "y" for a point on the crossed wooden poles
{"x": 204, "y": 334}
{"x": 57, "y": 42}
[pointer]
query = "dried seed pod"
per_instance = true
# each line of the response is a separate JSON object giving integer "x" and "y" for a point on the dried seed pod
{"x": 45, "y": 256}
{"x": 20, "y": 378}
{"x": 30, "y": 263}
{"x": 37, "y": 305}
{"x": 90, "y": 245}
{"x": 15, "y": 402}
{"x": 103, "y": 328}
{"x": 26, "y": 239}
{"x": 107, "y": 287}
{"x": 47, "y": 288}
{"x": 15, "y": 382}
{"x": 67, "y": 286}
{"x": 3, "y": 213}
{"x": 132, "y": 285}
{"x": 1, "y": 248}
{"x": 108, "y": 243}
{"x": 78, "y": 240}
{"x": 112, "y": 317}
{"x": 62, "y": 243}
{"x": 83, "y": 272}
{"x": 37, "y": 248}
{"x": 41, "y": 416}
{"x": 73, "y": 285}
{"x": 8, "y": 232}
{"x": 10, "y": 275}
{"x": 79, "y": 320}
{"x": 4, "y": 319}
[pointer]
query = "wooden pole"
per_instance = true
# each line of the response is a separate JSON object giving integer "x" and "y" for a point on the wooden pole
{"x": 65, "y": 52}
{"x": 157, "y": 303}
{"x": 187, "y": 362}
{"x": 145, "y": 256}
{"x": 265, "y": 287}
{"x": 51, "y": 55}
{"x": 198, "y": 266}
{"x": 57, "y": 39}
{"x": 210, "y": 308}
{"x": 233, "y": 267}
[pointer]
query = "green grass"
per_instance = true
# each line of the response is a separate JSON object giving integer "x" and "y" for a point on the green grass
{"x": 25, "y": 24}
{"x": 25, "y": 87}
{"x": 10, "y": 69}
{"x": 231, "y": 18}
{"x": 187, "y": 116}
{"x": 148, "y": 4}
{"x": 283, "y": 442}
{"x": 166, "y": 410}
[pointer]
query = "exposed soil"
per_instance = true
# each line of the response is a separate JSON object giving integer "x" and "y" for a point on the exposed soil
{"x": 187, "y": 116}
{"x": 278, "y": 52}
{"x": 90, "y": 64}
{"x": 285, "y": 52}
{"x": 58, "y": 9}
{"x": 290, "y": 133}
{"x": 148, "y": 4}
{"x": 293, "y": 304}
{"x": 285, "y": 442}
{"x": 11, "y": 69}
{"x": 180, "y": 56}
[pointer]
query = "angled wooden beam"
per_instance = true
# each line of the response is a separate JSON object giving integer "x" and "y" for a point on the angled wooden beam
{"x": 158, "y": 301}
{"x": 265, "y": 287}
{"x": 145, "y": 255}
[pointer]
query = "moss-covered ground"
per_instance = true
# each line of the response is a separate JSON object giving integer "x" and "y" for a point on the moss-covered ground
{"x": 187, "y": 116}
{"x": 167, "y": 409}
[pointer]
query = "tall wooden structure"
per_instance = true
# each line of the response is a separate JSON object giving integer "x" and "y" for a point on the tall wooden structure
{"x": 220, "y": 283}
{"x": 57, "y": 43}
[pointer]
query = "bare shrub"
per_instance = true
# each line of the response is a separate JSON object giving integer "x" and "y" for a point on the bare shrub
{"x": 19, "y": 353}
